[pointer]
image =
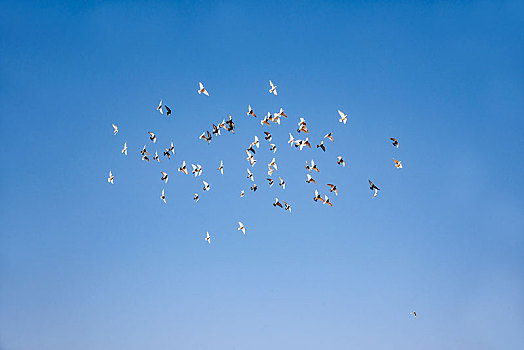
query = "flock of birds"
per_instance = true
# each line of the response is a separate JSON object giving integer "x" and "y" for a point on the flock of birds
{"x": 229, "y": 126}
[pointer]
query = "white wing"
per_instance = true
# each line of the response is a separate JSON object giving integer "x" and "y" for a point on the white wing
{"x": 200, "y": 86}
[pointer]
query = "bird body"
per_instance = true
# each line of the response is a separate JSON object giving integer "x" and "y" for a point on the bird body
{"x": 202, "y": 90}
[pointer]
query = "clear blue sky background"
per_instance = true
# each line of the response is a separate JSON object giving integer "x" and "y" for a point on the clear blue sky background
{"x": 87, "y": 265}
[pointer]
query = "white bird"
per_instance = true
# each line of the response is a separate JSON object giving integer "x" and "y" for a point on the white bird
{"x": 250, "y": 175}
{"x": 281, "y": 113}
{"x": 197, "y": 170}
{"x": 183, "y": 168}
{"x": 314, "y": 166}
{"x": 163, "y": 196}
{"x": 201, "y": 89}
{"x": 156, "y": 157}
{"x": 241, "y": 227}
{"x": 115, "y": 129}
{"x": 317, "y": 197}
{"x": 208, "y": 238}
{"x": 196, "y": 197}
{"x": 326, "y": 201}
{"x": 159, "y": 108}
{"x": 110, "y": 178}
{"x": 251, "y": 112}
{"x": 124, "y": 150}
{"x": 242, "y": 193}
{"x": 164, "y": 177}
{"x": 373, "y": 187}
{"x": 310, "y": 179}
{"x": 343, "y": 117}
{"x": 273, "y": 164}
{"x": 398, "y": 163}
{"x": 152, "y": 136}
{"x": 291, "y": 140}
{"x": 282, "y": 183}
{"x": 277, "y": 203}
{"x": 287, "y": 207}
{"x": 273, "y": 89}
{"x": 273, "y": 147}
{"x": 206, "y": 186}
{"x": 221, "y": 168}
{"x": 256, "y": 142}
{"x": 329, "y": 136}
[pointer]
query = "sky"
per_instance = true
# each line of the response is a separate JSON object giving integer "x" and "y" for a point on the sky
{"x": 89, "y": 265}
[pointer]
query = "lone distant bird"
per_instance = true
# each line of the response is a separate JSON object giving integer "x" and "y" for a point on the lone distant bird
{"x": 241, "y": 227}
{"x": 163, "y": 196}
{"x": 208, "y": 238}
{"x": 183, "y": 168}
{"x": 273, "y": 88}
{"x": 333, "y": 188}
{"x": 341, "y": 161}
{"x": 206, "y": 186}
{"x": 343, "y": 117}
{"x": 164, "y": 177}
{"x": 321, "y": 145}
{"x": 330, "y": 136}
{"x": 414, "y": 313}
{"x": 159, "y": 108}
{"x": 310, "y": 179}
{"x": 395, "y": 142}
{"x": 251, "y": 112}
{"x": 221, "y": 168}
{"x": 110, "y": 178}
{"x": 373, "y": 187}
{"x": 398, "y": 164}
{"x": 168, "y": 111}
{"x": 201, "y": 89}
{"x": 124, "y": 150}
{"x": 115, "y": 129}
{"x": 277, "y": 203}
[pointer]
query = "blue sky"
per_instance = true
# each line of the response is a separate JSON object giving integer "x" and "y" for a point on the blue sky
{"x": 88, "y": 265}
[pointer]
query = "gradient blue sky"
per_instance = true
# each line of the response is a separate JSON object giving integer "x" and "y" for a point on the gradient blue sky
{"x": 87, "y": 265}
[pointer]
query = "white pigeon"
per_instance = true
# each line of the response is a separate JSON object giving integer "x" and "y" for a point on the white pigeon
{"x": 115, "y": 129}
{"x": 196, "y": 197}
{"x": 208, "y": 238}
{"x": 183, "y": 168}
{"x": 398, "y": 163}
{"x": 273, "y": 147}
{"x": 152, "y": 136}
{"x": 291, "y": 140}
{"x": 273, "y": 89}
{"x": 197, "y": 169}
{"x": 282, "y": 183}
{"x": 343, "y": 117}
{"x": 221, "y": 168}
{"x": 201, "y": 89}
{"x": 164, "y": 176}
{"x": 163, "y": 196}
{"x": 241, "y": 227}
{"x": 250, "y": 175}
{"x": 159, "y": 108}
{"x": 256, "y": 142}
{"x": 124, "y": 150}
{"x": 206, "y": 186}
{"x": 273, "y": 164}
{"x": 110, "y": 178}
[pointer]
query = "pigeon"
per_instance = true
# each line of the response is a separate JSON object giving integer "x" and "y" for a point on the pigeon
{"x": 197, "y": 170}
{"x": 166, "y": 153}
{"x": 251, "y": 112}
{"x": 254, "y": 188}
{"x": 144, "y": 151}
{"x": 314, "y": 166}
{"x": 287, "y": 207}
{"x": 172, "y": 148}
{"x": 152, "y": 136}
{"x": 124, "y": 150}
{"x": 272, "y": 147}
{"x": 273, "y": 89}
{"x": 201, "y": 89}
{"x": 329, "y": 136}
{"x": 395, "y": 142}
{"x": 255, "y": 143}
{"x": 268, "y": 136}
{"x": 250, "y": 175}
{"x": 183, "y": 168}
{"x": 398, "y": 164}
{"x": 206, "y": 138}
{"x": 269, "y": 171}
{"x": 241, "y": 227}
{"x": 281, "y": 113}
{"x": 302, "y": 126}
{"x": 340, "y": 161}
{"x": 168, "y": 111}
{"x": 291, "y": 140}
{"x": 310, "y": 179}
{"x": 216, "y": 130}
{"x": 333, "y": 188}
{"x": 241, "y": 193}
{"x": 208, "y": 238}
{"x": 270, "y": 181}
{"x": 251, "y": 149}
{"x": 110, "y": 178}
{"x": 273, "y": 164}
{"x": 206, "y": 186}
{"x": 221, "y": 168}
{"x": 326, "y": 201}
{"x": 266, "y": 120}
{"x": 115, "y": 129}
{"x": 343, "y": 117}
{"x": 156, "y": 157}
{"x": 145, "y": 158}
{"x": 317, "y": 197}
{"x": 195, "y": 198}
{"x": 159, "y": 108}
{"x": 277, "y": 203}
{"x": 282, "y": 183}
{"x": 414, "y": 313}
{"x": 372, "y": 187}
{"x": 230, "y": 124}
{"x": 163, "y": 196}
{"x": 321, "y": 145}
{"x": 164, "y": 177}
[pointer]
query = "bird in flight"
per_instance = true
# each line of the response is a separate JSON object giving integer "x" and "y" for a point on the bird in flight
{"x": 330, "y": 136}
{"x": 256, "y": 143}
{"x": 115, "y": 129}
{"x": 270, "y": 180}
{"x": 110, "y": 178}
{"x": 333, "y": 188}
{"x": 159, "y": 108}
{"x": 164, "y": 177}
{"x": 163, "y": 196}
{"x": 241, "y": 227}
{"x": 144, "y": 151}
{"x": 206, "y": 138}
{"x": 268, "y": 136}
{"x": 145, "y": 158}
{"x": 156, "y": 157}
{"x": 373, "y": 187}
{"x": 395, "y": 142}
{"x": 414, "y": 313}
{"x": 195, "y": 198}
{"x": 230, "y": 124}
{"x": 326, "y": 201}
{"x": 183, "y": 168}
{"x": 241, "y": 193}
{"x": 343, "y": 117}
{"x": 273, "y": 89}
{"x": 287, "y": 207}
{"x": 321, "y": 145}
{"x": 168, "y": 111}
{"x": 273, "y": 164}
{"x": 208, "y": 238}
{"x": 340, "y": 161}
{"x": 291, "y": 140}
{"x": 302, "y": 126}
{"x": 254, "y": 188}
{"x": 250, "y": 175}
{"x": 277, "y": 203}
{"x": 314, "y": 166}
{"x": 124, "y": 150}
{"x": 251, "y": 112}
{"x": 266, "y": 119}
{"x": 272, "y": 147}
{"x": 216, "y": 130}
{"x": 206, "y": 186}
{"x": 317, "y": 197}
{"x": 398, "y": 163}
{"x": 221, "y": 168}
{"x": 197, "y": 170}
{"x": 310, "y": 179}
{"x": 281, "y": 113}
{"x": 201, "y": 89}
{"x": 282, "y": 183}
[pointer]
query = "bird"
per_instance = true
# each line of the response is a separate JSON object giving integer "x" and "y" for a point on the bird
{"x": 343, "y": 117}
{"x": 272, "y": 147}
{"x": 414, "y": 313}
{"x": 291, "y": 140}
{"x": 201, "y": 89}
{"x": 308, "y": 168}
{"x": 110, "y": 178}
{"x": 302, "y": 126}
{"x": 145, "y": 158}
{"x": 195, "y": 198}
{"x": 206, "y": 186}
{"x": 273, "y": 164}
{"x": 326, "y": 201}
{"x": 172, "y": 148}
{"x": 254, "y": 187}
{"x": 216, "y": 130}
{"x": 321, "y": 145}
{"x": 373, "y": 187}
{"x": 166, "y": 153}
{"x": 183, "y": 168}
{"x": 314, "y": 166}
{"x": 221, "y": 168}
{"x": 208, "y": 238}
{"x": 163, "y": 196}
{"x": 333, "y": 188}
{"x": 206, "y": 138}
{"x": 223, "y": 125}
{"x": 241, "y": 193}
{"x": 164, "y": 177}
{"x": 230, "y": 124}
{"x": 156, "y": 157}
{"x": 306, "y": 142}
{"x": 273, "y": 89}
{"x": 269, "y": 171}
{"x": 124, "y": 150}
{"x": 310, "y": 179}
{"x": 251, "y": 112}
{"x": 197, "y": 169}
{"x": 115, "y": 129}
{"x": 395, "y": 142}
{"x": 159, "y": 108}
{"x": 256, "y": 142}
{"x": 250, "y": 175}
{"x": 317, "y": 197}
{"x": 329, "y": 136}
{"x": 341, "y": 161}
{"x": 144, "y": 151}
{"x": 398, "y": 163}
{"x": 241, "y": 227}
{"x": 287, "y": 207}
{"x": 266, "y": 120}
{"x": 268, "y": 136}
{"x": 270, "y": 181}
{"x": 282, "y": 183}
{"x": 168, "y": 111}
{"x": 277, "y": 203}
{"x": 251, "y": 149}
{"x": 281, "y": 113}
